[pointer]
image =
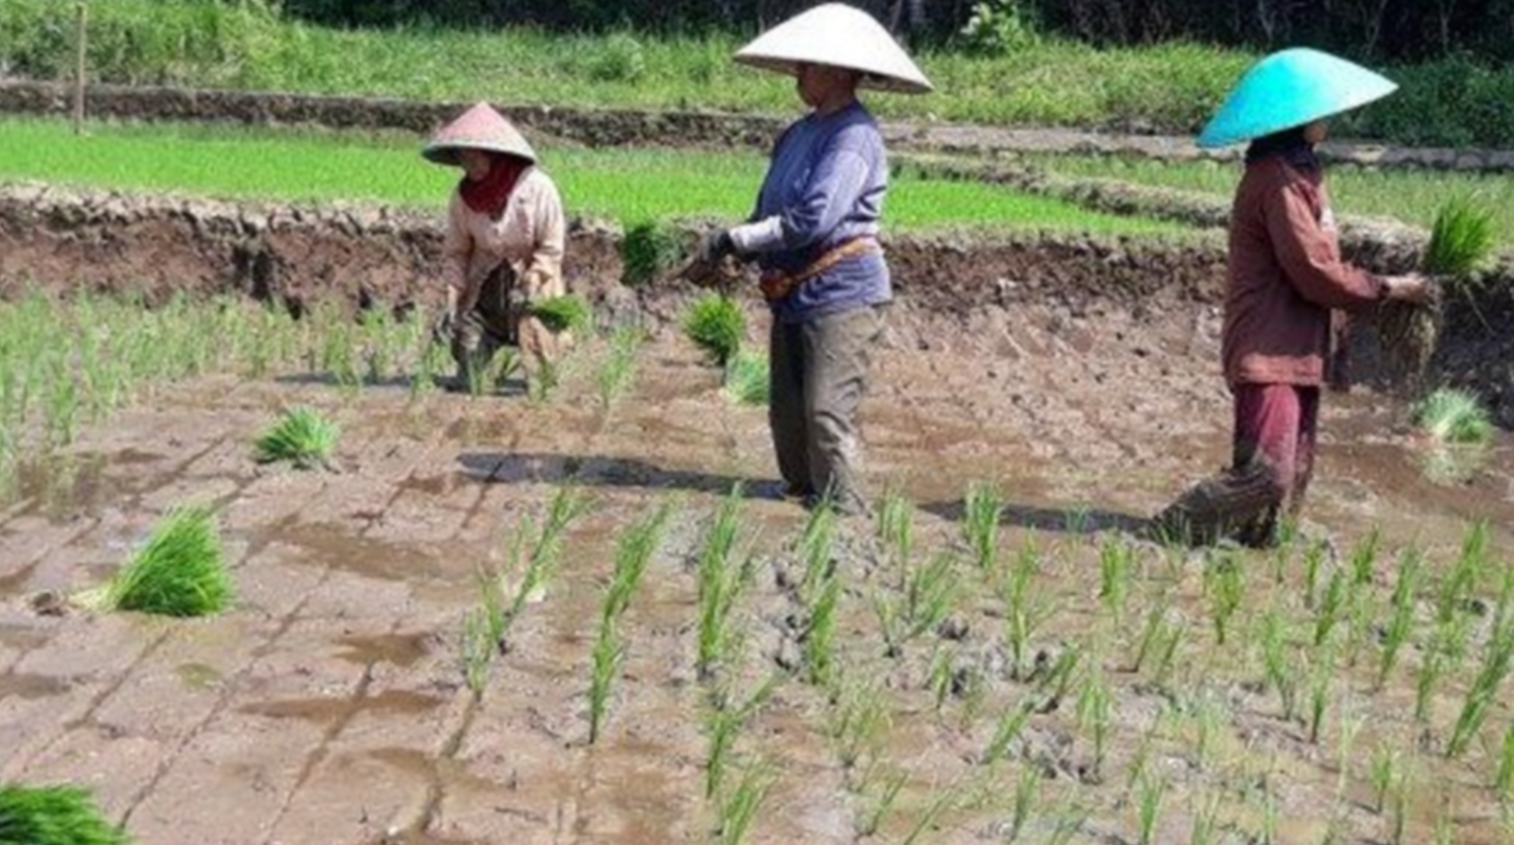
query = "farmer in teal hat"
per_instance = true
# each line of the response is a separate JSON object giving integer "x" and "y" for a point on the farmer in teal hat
{"x": 1286, "y": 277}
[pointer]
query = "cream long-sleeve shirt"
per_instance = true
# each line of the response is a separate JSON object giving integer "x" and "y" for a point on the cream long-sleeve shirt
{"x": 530, "y": 235}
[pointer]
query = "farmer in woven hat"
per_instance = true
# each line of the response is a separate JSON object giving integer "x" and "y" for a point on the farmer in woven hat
{"x": 814, "y": 235}
{"x": 1286, "y": 277}
{"x": 503, "y": 248}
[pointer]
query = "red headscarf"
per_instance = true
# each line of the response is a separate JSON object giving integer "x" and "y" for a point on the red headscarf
{"x": 491, "y": 194}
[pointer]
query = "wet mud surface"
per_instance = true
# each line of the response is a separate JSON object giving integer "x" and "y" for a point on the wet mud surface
{"x": 1078, "y": 377}
{"x": 329, "y": 706}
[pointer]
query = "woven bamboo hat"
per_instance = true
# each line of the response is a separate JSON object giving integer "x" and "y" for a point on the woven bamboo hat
{"x": 841, "y": 36}
{"x": 478, "y": 128}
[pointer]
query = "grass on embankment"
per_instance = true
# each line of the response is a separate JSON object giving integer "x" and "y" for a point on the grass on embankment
{"x": 620, "y": 184}
{"x": 1169, "y": 88}
{"x": 208, "y": 43}
{"x": 1411, "y": 196}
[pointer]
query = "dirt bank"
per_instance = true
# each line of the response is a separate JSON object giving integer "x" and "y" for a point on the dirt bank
{"x": 618, "y": 127}
{"x": 953, "y": 291}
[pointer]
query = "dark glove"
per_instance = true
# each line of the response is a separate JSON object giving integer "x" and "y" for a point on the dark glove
{"x": 713, "y": 246}
{"x": 442, "y": 331}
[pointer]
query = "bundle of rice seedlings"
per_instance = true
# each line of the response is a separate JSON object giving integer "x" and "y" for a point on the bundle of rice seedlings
{"x": 717, "y": 325}
{"x": 746, "y": 380}
{"x": 179, "y": 572}
{"x": 1454, "y": 416}
{"x": 569, "y": 313}
{"x": 1460, "y": 239}
{"x": 302, "y": 437}
{"x": 649, "y": 249}
{"x": 53, "y": 815}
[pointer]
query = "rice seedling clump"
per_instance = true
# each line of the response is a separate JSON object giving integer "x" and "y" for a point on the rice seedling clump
{"x": 179, "y": 572}
{"x": 563, "y": 313}
{"x": 1454, "y": 416}
{"x": 53, "y": 815}
{"x": 747, "y": 379}
{"x": 648, "y": 249}
{"x": 303, "y": 437}
{"x": 717, "y": 325}
{"x": 1460, "y": 239}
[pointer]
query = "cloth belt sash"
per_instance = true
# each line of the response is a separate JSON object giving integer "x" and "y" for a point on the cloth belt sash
{"x": 777, "y": 284}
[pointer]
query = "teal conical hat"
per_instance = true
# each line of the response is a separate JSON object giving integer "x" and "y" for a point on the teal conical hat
{"x": 1292, "y": 88}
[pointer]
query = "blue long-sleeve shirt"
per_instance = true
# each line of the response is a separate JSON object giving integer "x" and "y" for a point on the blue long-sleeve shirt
{"x": 825, "y": 185}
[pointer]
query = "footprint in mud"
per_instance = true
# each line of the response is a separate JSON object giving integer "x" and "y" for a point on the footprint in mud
{"x": 48, "y": 603}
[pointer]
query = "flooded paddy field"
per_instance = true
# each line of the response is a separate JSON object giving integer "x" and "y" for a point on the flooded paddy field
{"x": 926, "y": 674}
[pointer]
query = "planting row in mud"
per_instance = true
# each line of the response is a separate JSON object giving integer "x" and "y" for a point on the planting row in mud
{"x": 946, "y": 682}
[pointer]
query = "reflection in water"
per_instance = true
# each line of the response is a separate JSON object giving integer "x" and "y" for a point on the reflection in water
{"x": 393, "y": 702}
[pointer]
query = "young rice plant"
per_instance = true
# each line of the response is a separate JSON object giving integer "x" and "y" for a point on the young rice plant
{"x": 1454, "y": 416}
{"x": 717, "y": 325}
{"x": 567, "y": 313}
{"x": 647, "y": 250}
{"x": 747, "y": 380}
{"x": 1460, "y": 238}
{"x": 302, "y": 437}
{"x": 53, "y": 815}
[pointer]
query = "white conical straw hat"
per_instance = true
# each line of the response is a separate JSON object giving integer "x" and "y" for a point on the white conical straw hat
{"x": 479, "y": 128}
{"x": 841, "y": 36}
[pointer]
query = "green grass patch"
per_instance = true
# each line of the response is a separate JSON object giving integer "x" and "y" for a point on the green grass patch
{"x": 179, "y": 572}
{"x": 53, "y": 815}
{"x": 302, "y": 165}
{"x": 1454, "y": 416}
{"x": 302, "y": 437}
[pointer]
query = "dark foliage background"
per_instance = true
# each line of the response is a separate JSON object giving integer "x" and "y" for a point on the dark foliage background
{"x": 1402, "y": 30}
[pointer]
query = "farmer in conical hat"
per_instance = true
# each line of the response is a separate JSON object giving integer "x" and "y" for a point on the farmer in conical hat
{"x": 503, "y": 248}
{"x": 1286, "y": 275}
{"x": 814, "y": 234}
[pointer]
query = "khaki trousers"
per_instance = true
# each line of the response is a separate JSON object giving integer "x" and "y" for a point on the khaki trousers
{"x": 819, "y": 374}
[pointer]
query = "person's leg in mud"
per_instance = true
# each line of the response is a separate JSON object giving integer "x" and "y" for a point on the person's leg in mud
{"x": 541, "y": 351}
{"x": 468, "y": 352}
{"x": 786, "y": 414}
{"x": 478, "y": 336}
{"x": 1304, "y": 450}
{"x": 837, "y": 352}
{"x": 1243, "y": 502}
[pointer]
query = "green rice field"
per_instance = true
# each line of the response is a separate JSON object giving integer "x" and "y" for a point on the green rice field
{"x": 619, "y": 184}
{"x": 1408, "y": 195}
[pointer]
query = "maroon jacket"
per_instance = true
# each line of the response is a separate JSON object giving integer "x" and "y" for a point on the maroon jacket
{"x": 1286, "y": 274}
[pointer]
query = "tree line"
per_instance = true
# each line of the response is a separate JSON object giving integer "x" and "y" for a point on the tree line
{"x": 1392, "y": 30}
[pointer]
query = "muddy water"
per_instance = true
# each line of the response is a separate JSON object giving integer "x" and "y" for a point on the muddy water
{"x": 1082, "y": 438}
